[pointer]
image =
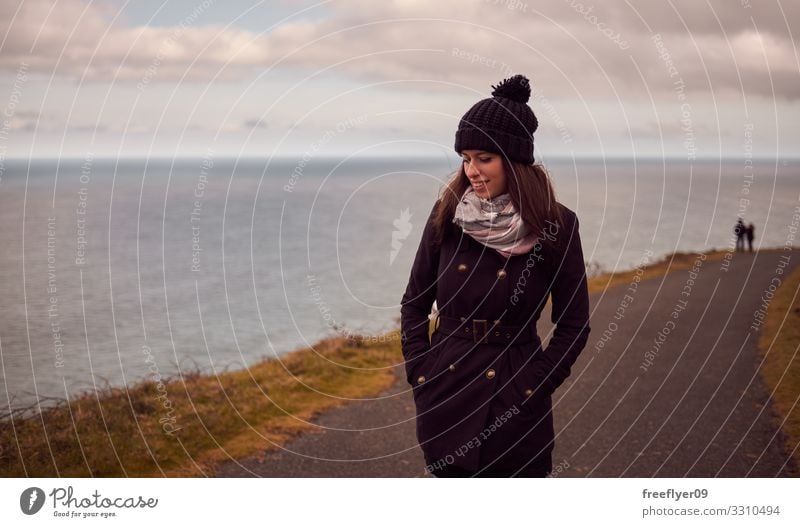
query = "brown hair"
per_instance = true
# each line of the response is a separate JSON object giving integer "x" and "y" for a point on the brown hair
{"x": 531, "y": 193}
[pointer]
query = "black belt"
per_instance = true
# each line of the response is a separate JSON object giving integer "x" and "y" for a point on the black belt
{"x": 485, "y": 331}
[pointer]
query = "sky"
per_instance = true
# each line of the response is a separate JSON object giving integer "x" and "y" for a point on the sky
{"x": 687, "y": 79}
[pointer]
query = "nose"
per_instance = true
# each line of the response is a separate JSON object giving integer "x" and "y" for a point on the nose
{"x": 471, "y": 171}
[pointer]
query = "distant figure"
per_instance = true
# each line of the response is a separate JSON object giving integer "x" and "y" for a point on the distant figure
{"x": 739, "y": 229}
{"x": 751, "y": 233}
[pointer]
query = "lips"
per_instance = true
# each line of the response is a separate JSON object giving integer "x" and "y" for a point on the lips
{"x": 478, "y": 186}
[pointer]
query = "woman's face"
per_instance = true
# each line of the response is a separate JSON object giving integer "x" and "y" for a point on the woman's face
{"x": 485, "y": 172}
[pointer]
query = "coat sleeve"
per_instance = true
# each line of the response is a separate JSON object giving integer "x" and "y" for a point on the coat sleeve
{"x": 418, "y": 300}
{"x": 570, "y": 311}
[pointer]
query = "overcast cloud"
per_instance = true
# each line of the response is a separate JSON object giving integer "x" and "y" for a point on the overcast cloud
{"x": 617, "y": 69}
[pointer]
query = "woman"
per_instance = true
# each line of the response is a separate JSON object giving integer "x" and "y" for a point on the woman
{"x": 495, "y": 245}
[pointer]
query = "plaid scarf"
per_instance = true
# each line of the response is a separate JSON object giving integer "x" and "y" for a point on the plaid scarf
{"x": 494, "y": 222}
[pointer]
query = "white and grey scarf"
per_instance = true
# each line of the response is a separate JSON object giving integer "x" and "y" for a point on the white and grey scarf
{"x": 494, "y": 222}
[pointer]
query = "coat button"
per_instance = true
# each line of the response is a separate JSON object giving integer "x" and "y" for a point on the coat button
{"x": 501, "y": 274}
{"x": 462, "y": 267}
{"x": 420, "y": 379}
{"x": 452, "y": 367}
{"x": 490, "y": 374}
{"x": 528, "y": 392}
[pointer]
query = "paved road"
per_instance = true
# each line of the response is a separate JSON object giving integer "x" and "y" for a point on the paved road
{"x": 671, "y": 390}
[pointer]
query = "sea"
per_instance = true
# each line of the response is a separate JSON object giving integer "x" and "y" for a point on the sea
{"x": 115, "y": 270}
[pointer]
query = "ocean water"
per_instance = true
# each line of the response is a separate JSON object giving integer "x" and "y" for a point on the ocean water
{"x": 118, "y": 270}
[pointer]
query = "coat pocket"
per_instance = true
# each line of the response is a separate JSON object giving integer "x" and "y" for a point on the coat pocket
{"x": 527, "y": 383}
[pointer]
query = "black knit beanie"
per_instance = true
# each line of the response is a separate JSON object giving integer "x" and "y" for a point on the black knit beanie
{"x": 503, "y": 124}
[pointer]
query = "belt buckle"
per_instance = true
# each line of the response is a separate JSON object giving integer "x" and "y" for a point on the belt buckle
{"x": 475, "y": 323}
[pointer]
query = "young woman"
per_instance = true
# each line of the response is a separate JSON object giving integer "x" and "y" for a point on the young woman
{"x": 496, "y": 244}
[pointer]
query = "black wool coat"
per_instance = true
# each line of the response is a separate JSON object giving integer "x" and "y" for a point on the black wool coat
{"x": 488, "y": 406}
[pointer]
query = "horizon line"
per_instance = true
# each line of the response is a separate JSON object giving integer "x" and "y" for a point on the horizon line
{"x": 394, "y": 156}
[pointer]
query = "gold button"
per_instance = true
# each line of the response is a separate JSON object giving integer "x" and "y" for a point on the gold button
{"x": 528, "y": 392}
{"x": 452, "y": 367}
{"x": 490, "y": 374}
{"x": 420, "y": 379}
{"x": 501, "y": 274}
{"x": 462, "y": 267}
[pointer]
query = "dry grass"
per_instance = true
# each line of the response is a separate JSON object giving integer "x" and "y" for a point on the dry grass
{"x": 659, "y": 269}
{"x": 779, "y": 344}
{"x": 117, "y": 432}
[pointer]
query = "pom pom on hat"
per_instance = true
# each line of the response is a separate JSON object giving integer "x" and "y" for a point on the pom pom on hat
{"x": 516, "y": 88}
{"x": 503, "y": 123}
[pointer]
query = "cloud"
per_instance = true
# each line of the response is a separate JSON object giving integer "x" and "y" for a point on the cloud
{"x": 570, "y": 49}
{"x": 85, "y": 42}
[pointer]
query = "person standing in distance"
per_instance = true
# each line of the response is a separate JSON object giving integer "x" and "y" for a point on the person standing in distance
{"x": 751, "y": 234}
{"x": 739, "y": 230}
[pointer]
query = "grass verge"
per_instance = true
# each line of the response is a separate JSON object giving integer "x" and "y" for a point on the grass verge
{"x": 658, "y": 269}
{"x": 186, "y": 425}
{"x": 779, "y": 343}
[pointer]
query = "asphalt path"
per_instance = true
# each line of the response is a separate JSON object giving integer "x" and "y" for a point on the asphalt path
{"x": 667, "y": 386}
